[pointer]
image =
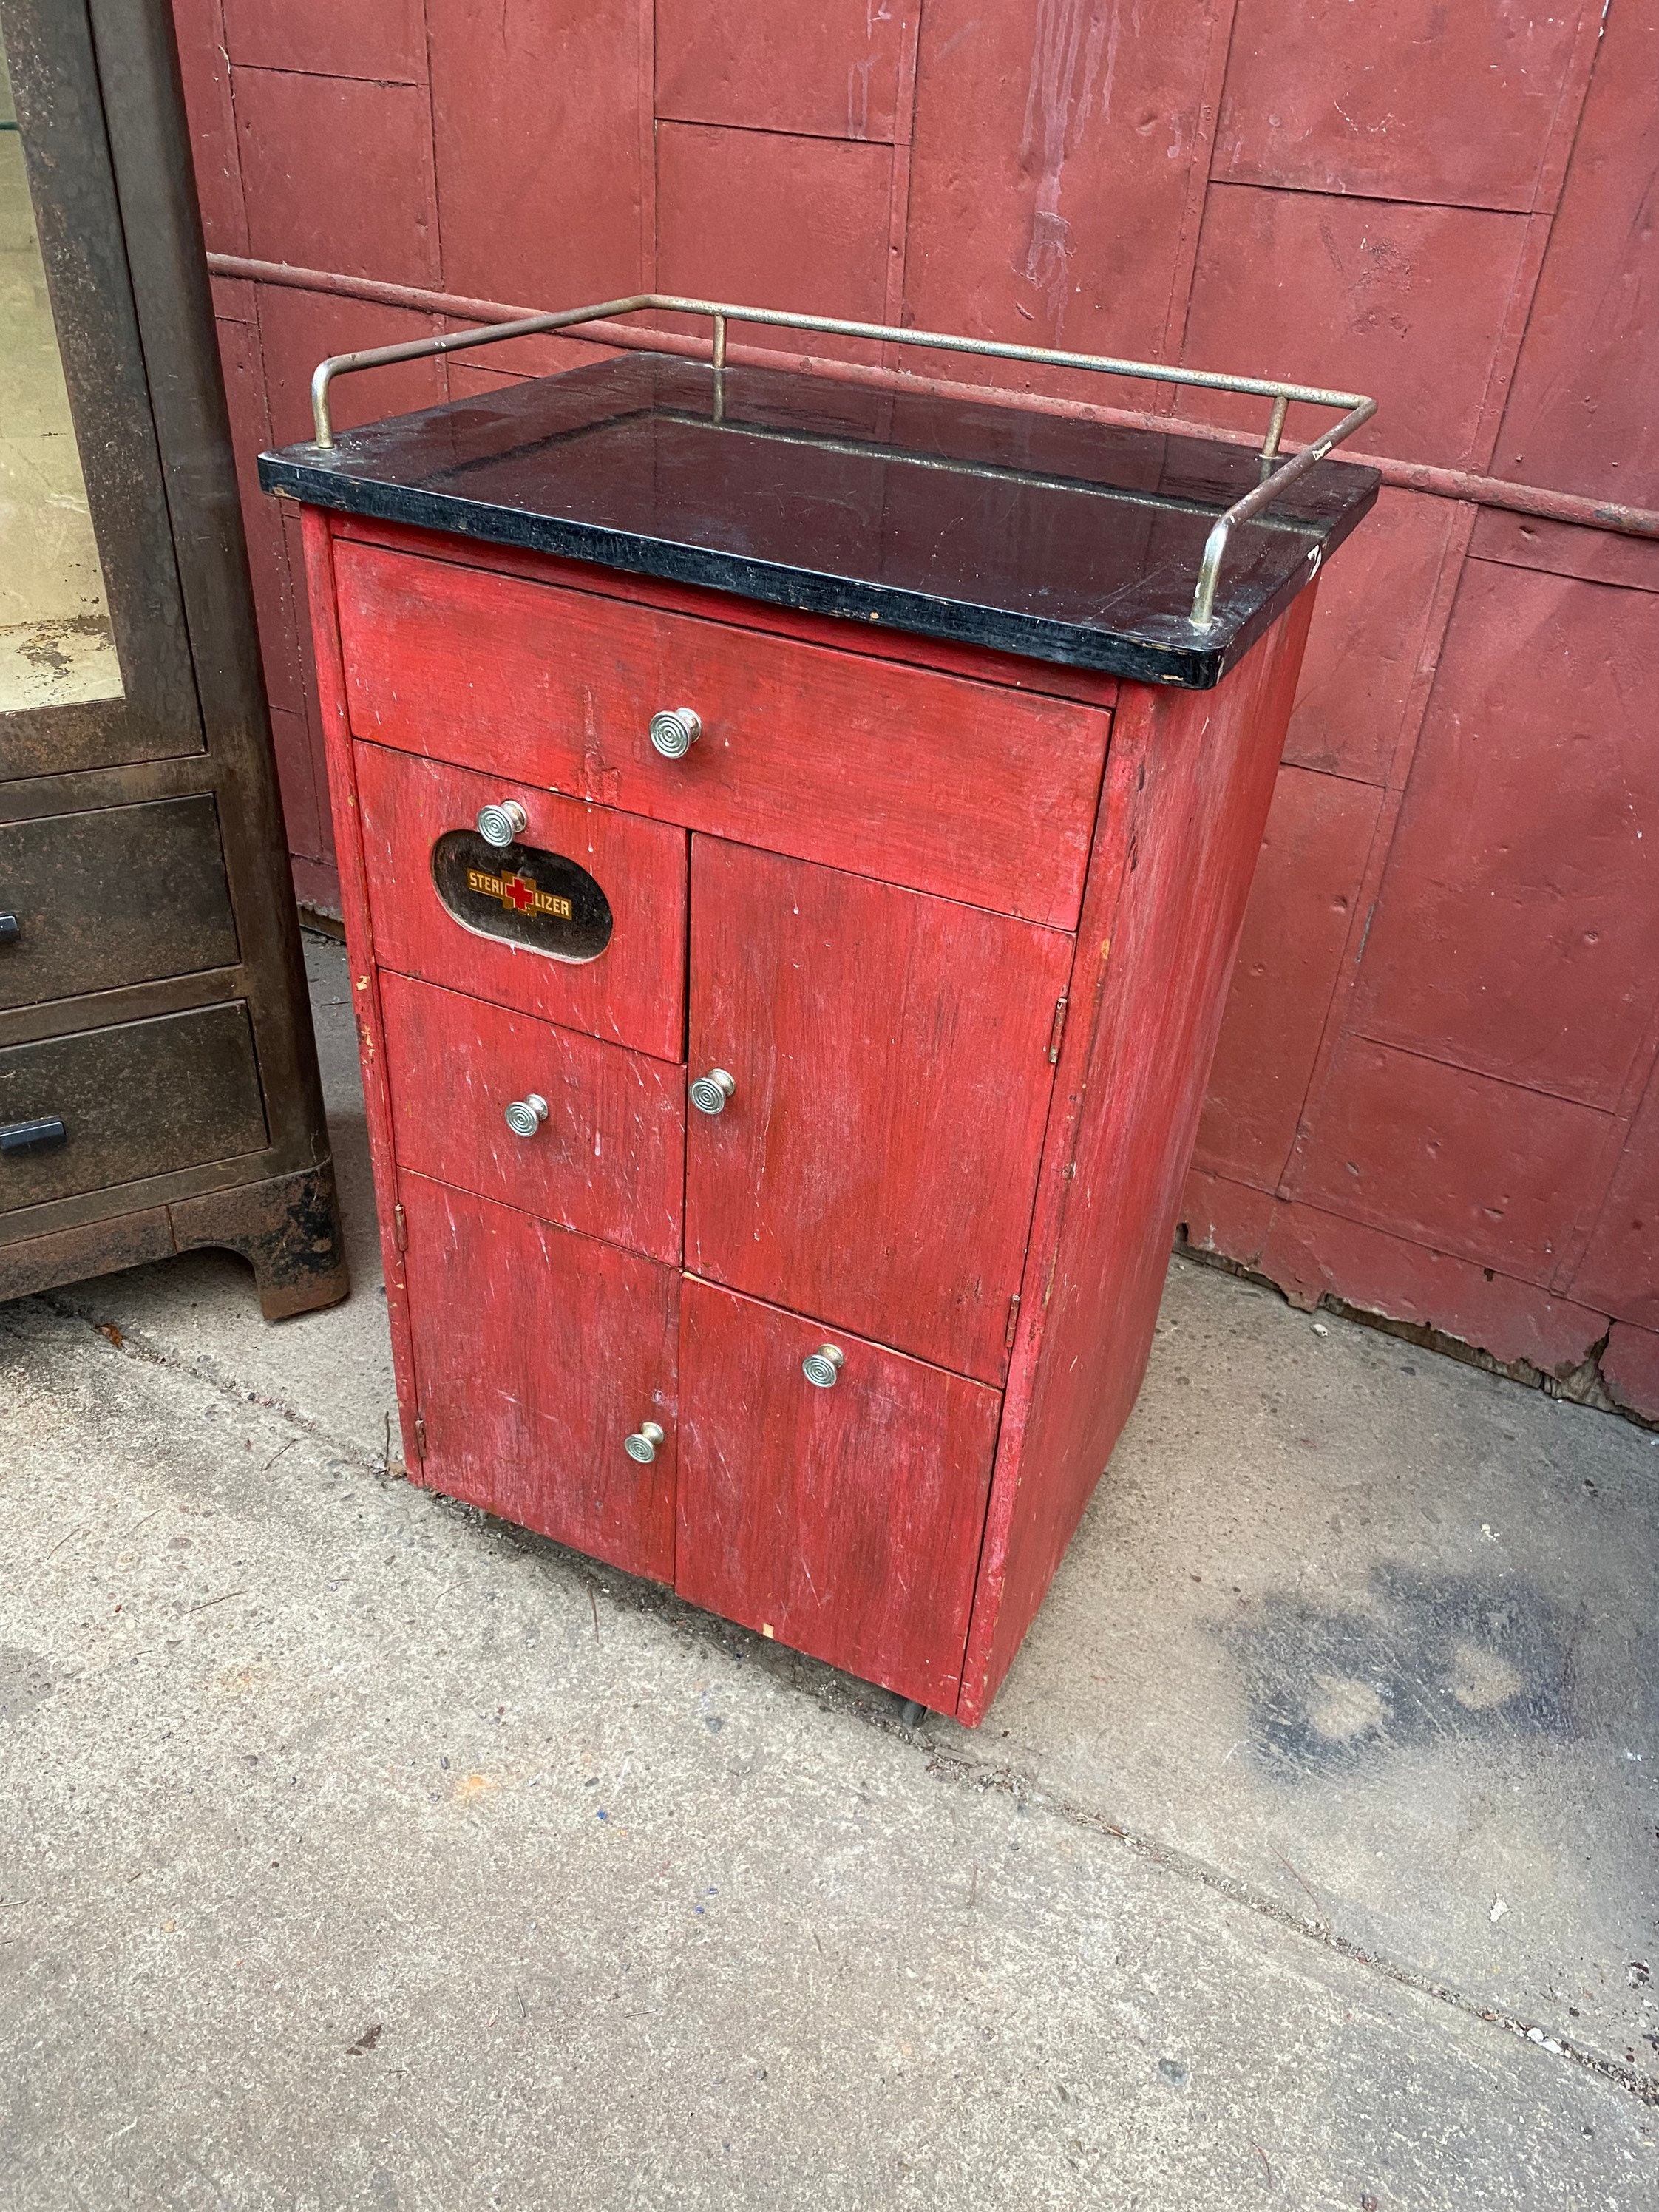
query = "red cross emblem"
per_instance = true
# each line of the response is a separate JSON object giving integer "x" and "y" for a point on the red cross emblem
{"x": 518, "y": 893}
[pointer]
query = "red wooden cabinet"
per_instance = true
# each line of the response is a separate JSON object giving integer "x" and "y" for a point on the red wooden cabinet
{"x": 779, "y": 1144}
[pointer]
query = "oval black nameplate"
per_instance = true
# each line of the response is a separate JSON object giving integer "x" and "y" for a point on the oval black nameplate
{"x": 539, "y": 900}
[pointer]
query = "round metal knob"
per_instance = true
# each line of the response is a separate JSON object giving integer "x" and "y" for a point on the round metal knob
{"x": 674, "y": 731}
{"x": 710, "y": 1092}
{"x": 500, "y": 825}
{"x": 526, "y": 1115}
{"x": 642, "y": 1444}
{"x": 821, "y": 1367}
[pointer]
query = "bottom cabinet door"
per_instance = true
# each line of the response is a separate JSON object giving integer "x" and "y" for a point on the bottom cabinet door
{"x": 537, "y": 1352}
{"x": 844, "y": 1520}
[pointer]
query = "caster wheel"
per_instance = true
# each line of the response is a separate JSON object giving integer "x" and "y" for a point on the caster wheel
{"x": 912, "y": 1713}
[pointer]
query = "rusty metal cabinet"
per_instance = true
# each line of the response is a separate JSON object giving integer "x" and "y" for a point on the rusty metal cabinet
{"x": 158, "y": 1078}
{"x": 793, "y": 839}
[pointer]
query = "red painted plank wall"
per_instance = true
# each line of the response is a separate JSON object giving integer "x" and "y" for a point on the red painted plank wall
{"x": 1435, "y": 1094}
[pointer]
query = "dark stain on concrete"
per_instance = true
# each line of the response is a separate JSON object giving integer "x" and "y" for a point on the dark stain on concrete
{"x": 1431, "y": 1659}
{"x": 25, "y": 1678}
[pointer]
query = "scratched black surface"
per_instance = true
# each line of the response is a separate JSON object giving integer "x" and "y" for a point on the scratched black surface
{"x": 1025, "y": 532}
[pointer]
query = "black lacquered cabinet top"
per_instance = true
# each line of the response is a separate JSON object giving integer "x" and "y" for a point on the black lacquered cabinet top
{"x": 1026, "y": 532}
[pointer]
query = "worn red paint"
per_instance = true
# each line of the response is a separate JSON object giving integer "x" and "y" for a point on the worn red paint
{"x": 385, "y": 43}
{"x": 1581, "y": 410}
{"x": 1376, "y": 606}
{"x": 1306, "y": 282}
{"x": 921, "y": 1074}
{"x": 710, "y": 245}
{"x": 636, "y": 998}
{"x": 1050, "y": 180}
{"x": 302, "y": 188}
{"x": 854, "y": 1533}
{"x": 1400, "y": 1141}
{"x": 829, "y": 72}
{"x": 1617, "y": 1274}
{"x": 456, "y": 1063}
{"x": 1308, "y": 878}
{"x": 1528, "y": 844}
{"x": 1317, "y": 101}
{"x": 1051, "y": 151}
{"x": 540, "y": 134}
{"x": 1630, "y": 1368}
{"x": 1317, "y": 1254}
{"x": 556, "y": 687}
{"x": 1189, "y": 783}
{"x": 535, "y": 1353}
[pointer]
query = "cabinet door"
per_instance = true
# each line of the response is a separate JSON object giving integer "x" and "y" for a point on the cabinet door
{"x": 844, "y": 1520}
{"x": 537, "y": 1352}
{"x": 876, "y": 1162}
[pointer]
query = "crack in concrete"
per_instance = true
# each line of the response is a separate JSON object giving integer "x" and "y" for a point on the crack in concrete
{"x": 839, "y": 1692}
{"x": 137, "y": 1343}
{"x": 950, "y": 1767}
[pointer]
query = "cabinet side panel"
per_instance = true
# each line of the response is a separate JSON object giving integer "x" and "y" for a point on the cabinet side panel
{"x": 359, "y": 949}
{"x": 1188, "y": 780}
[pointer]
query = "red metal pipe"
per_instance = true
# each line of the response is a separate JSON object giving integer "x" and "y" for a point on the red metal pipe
{"x": 1409, "y": 475}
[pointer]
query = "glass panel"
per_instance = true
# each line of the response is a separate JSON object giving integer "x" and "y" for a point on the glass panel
{"x": 55, "y": 643}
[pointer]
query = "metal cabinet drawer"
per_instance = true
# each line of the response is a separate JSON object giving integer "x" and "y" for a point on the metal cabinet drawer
{"x": 125, "y": 895}
{"x": 972, "y": 790}
{"x": 137, "y": 1099}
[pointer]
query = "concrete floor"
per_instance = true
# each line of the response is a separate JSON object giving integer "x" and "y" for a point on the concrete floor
{"x": 355, "y": 1849}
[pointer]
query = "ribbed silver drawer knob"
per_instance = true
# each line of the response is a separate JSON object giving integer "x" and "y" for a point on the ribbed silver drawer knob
{"x": 674, "y": 731}
{"x": 710, "y": 1092}
{"x": 642, "y": 1444}
{"x": 526, "y": 1115}
{"x": 821, "y": 1367}
{"x": 500, "y": 825}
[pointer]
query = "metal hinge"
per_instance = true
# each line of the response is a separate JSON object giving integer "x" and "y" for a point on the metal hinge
{"x": 400, "y": 1229}
{"x": 1059, "y": 1029}
{"x": 1009, "y": 1333}
{"x": 420, "y": 1436}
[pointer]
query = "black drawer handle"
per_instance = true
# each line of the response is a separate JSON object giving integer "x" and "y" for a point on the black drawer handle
{"x": 32, "y": 1136}
{"x": 9, "y": 933}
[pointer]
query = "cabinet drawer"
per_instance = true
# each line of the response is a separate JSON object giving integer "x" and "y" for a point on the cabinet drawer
{"x": 845, "y": 1522}
{"x": 977, "y": 791}
{"x": 537, "y": 1354}
{"x": 607, "y": 1157}
{"x": 141, "y": 1098}
{"x": 125, "y": 894}
{"x": 582, "y": 920}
